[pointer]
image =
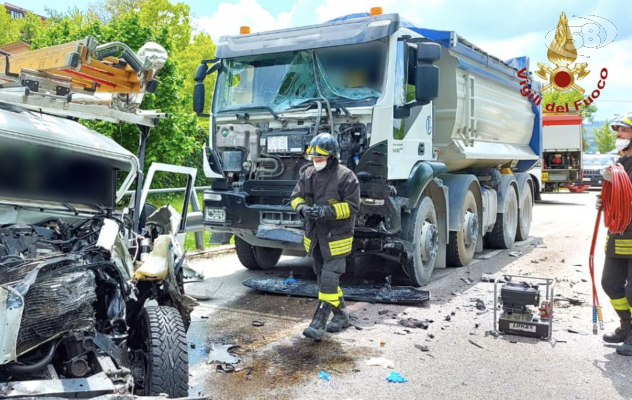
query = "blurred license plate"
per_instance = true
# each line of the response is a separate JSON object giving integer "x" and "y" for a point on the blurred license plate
{"x": 544, "y": 176}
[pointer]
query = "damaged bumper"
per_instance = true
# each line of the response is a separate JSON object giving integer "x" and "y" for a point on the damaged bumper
{"x": 11, "y": 309}
{"x": 97, "y": 387}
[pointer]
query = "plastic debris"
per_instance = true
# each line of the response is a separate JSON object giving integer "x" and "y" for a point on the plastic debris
{"x": 323, "y": 375}
{"x": 422, "y": 347}
{"x": 414, "y": 323}
{"x": 257, "y": 323}
{"x": 395, "y": 377}
{"x": 219, "y": 353}
{"x": 381, "y": 362}
{"x": 290, "y": 279}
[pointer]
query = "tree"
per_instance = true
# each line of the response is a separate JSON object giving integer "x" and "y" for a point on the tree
{"x": 569, "y": 97}
{"x": 605, "y": 138}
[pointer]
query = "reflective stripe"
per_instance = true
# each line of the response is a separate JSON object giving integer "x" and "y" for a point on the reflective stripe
{"x": 339, "y": 292}
{"x": 340, "y": 247}
{"x": 624, "y": 251}
{"x": 626, "y": 119}
{"x": 342, "y": 210}
{"x": 331, "y": 298}
{"x": 306, "y": 243}
{"x": 296, "y": 201}
{"x": 620, "y": 304}
{"x": 321, "y": 151}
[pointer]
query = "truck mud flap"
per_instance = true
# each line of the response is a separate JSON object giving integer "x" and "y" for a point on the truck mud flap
{"x": 370, "y": 294}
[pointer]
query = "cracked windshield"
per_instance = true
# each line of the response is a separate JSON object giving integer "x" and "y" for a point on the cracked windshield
{"x": 349, "y": 74}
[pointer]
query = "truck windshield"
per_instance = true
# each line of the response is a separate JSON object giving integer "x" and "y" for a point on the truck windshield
{"x": 285, "y": 80}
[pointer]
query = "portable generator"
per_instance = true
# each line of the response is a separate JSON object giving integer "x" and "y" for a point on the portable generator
{"x": 526, "y": 308}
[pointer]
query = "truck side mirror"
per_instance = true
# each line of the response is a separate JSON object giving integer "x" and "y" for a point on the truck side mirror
{"x": 426, "y": 73}
{"x": 198, "y": 89}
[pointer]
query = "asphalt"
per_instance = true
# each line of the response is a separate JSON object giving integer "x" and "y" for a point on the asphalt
{"x": 463, "y": 360}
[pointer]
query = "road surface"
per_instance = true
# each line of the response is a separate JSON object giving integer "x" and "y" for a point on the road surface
{"x": 463, "y": 362}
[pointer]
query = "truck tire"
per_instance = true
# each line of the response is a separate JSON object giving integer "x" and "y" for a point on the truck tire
{"x": 503, "y": 235}
{"x": 162, "y": 340}
{"x": 525, "y": 214}
{"x": 422, "y": 229}
{"x": 255, "y": 257}
{"x": 462, "y": 244}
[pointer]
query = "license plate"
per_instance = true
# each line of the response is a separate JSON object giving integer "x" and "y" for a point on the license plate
{"x": 544, "y": 176}
{"x": 522, "y": 327}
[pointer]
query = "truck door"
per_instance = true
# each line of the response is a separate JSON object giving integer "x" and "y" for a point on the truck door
{"x": 411, "y": 140}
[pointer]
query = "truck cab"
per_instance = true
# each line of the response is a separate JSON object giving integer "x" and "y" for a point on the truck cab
{"x": 411, "y": 124}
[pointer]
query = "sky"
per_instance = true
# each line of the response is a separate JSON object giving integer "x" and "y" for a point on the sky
{"x": 504, "y": 29}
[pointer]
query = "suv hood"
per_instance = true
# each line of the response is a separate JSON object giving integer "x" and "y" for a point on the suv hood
{"x": 27, "y": 126}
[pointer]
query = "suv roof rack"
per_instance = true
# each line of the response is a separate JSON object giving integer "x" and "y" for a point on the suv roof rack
{"x": 84, "y": 79}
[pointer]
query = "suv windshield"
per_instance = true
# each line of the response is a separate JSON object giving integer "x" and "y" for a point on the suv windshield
{"x": 286, "y": 80}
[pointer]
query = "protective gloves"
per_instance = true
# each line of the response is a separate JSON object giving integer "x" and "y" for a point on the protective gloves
{"x": 315, "y": 212}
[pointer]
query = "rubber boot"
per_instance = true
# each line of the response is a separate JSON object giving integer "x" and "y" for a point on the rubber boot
{"x": 626, "y": 348}
{"x": 621, "y": 333}
{"x": 341, "y": 319}
{"x": 316, "y": 330}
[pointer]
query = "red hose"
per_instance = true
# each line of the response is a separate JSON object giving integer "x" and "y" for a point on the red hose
{"x": 616, "y": 200}
{"x": 616, "y": 204}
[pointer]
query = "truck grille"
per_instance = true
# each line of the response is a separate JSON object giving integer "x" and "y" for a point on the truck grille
{"x": 281, "y": 218}
{"x": 591, "y": 172}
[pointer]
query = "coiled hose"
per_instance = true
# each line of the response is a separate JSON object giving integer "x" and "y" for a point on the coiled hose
{"x": 616, "y": 205}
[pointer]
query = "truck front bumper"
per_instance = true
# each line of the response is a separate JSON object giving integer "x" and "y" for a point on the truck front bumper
{"x": 258, "y": 224}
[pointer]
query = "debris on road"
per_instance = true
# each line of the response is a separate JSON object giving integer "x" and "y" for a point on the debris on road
{"x": 447, "y": 318}
{"x": 480, "y": 305}
{"x": 381, "y": 362}
{"x": 476, "y": 344}
{"x": 219, "y": 353}
{"x": 414, "y": 323}
{"x": 535, "y": 261}
{"x": 383, "y": 312}
{"x": 431, "y": 336}
{"x": 395, "y": 377}
{"x": 495, "y": 334}
{"x": 422, "y": 347}
{"x": 323, "y": 375}
{"x": 358, "y": 328}
{"x": 290, "y": 279}
{"x": 490, "y": 278}
{"x": 257, "y": 323}
{"x": 223, "y": 367}
{"x": 515, "y": 254}
{"x": 467, "y": 280}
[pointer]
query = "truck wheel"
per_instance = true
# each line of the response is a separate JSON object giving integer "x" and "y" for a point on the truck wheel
{"x": 503, "y": 235}
{"x": 256, "y": 257}
{"x": 160, "y": 354}
{"x": 525, "y": 213}
{"x": 423, "y": 232}
{"x": 462, "y": 243}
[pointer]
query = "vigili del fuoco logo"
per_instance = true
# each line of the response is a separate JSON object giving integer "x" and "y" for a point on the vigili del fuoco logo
{"x": 563, "y": 75}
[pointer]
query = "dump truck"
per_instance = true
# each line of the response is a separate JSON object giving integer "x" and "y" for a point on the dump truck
{"x": 436, "y": 130}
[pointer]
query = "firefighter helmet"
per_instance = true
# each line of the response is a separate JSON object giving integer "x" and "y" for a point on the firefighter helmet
{"x": 323, "y": 145}
{"x": 623, "y": 120}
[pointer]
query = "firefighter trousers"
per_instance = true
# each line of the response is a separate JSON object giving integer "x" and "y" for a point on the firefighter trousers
{"x": 616, "y": 281}
{"x": 328, "y": 273}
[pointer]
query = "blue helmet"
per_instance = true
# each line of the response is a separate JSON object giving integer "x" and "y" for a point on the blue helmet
{"x": 622, "y": 120}
{"x": 323, "y": 145}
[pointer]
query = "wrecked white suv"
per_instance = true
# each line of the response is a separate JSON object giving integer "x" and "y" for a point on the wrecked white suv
{"x": 80, "y": 314}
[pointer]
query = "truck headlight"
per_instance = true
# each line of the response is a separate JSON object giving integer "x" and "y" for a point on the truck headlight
{"x": 372, "y": 202}
{"x": 212, "y": 214}
{"x": 212, "y": 196}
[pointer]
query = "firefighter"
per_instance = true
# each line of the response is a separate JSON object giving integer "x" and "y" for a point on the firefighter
{"x": 327, "y": 198}
{"x": 616, "y": 279}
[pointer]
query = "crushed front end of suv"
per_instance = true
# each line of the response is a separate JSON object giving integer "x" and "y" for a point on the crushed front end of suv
{"x": 81, "y": 315}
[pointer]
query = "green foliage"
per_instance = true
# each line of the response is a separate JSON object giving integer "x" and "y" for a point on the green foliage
{"x": 177, "y": 139}
{"x": 605, "y": 138}
{"x": 569, "y": 97}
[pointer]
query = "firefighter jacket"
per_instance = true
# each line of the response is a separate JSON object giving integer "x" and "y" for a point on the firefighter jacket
{"x": 620, "y": 245}
{"x": 337, "y": 188}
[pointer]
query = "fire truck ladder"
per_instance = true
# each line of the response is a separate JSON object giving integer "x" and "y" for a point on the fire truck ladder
{"x": 81, "y": 79}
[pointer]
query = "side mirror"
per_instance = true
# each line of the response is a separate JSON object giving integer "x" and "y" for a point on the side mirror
{"x": 198, "y": 89}
{"x": 426, "y": 73}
